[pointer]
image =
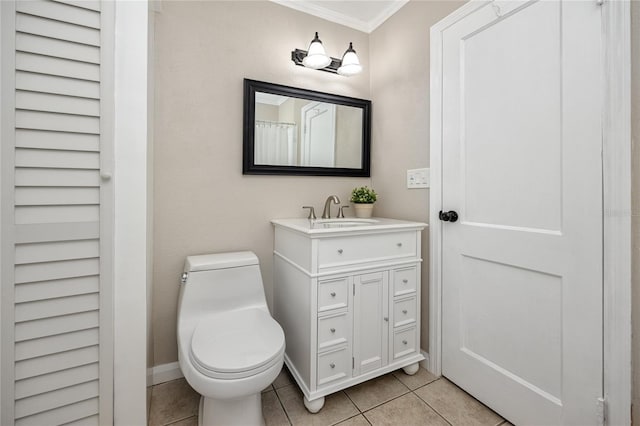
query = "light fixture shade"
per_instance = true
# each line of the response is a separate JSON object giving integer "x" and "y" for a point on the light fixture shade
{"x": 350, "y": 64}
{"x": 316, "y": 56}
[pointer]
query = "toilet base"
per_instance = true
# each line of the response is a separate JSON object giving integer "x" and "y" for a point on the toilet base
{"x": 245, "y": 411}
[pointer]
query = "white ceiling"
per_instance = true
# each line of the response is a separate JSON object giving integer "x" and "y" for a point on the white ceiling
{"x": 363, "y": 15}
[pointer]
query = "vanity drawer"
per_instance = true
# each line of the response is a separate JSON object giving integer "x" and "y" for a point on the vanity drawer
{"x": 332, "y": 330}
{"x": 405, "y": 280}
{"x": 332, "y": 294}
{"x": 363, "y": 248}
{"x": 404, "y": 312}
{"x": 333, "y": 366}
{"x": 404, "y": 342}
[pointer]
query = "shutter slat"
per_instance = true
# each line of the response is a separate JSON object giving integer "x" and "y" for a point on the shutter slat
{"x": 58, "y": 398}
{"x": 56, "y": 344}
{"x": 57, "y": 66}
{"x": 56, "y": 362}
{"x": 46, "y": 102}
{"x": 39, "y": 120}
{"x": 55, "y": 251}
{"x": 60, "y": 12}
{"x": 38, "y": 196}
{"x": 57, "y": 140}
{"x": 41, "y": 232}
{"x": 55, "y": 84}
{"x": 62, "y": 415}
{"x": 61, "y": 379}
{"x": 36, "y": 329}
{"x": 57, "y": 177}
{"x": 42, "y": 290}
{"x": 57, "y": 29}
{"x": 49, "y": 158}
{"x": 87, "y": 421}
{"x": 56, "y": 270}
{"x": 57, "y": 48}
{"x": 55, "y": 214}
{"x": 86, "y": 4}
{"x": 50, "y": 308}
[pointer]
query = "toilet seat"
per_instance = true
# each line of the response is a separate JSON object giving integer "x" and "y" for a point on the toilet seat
{"x": 236, "y": 344}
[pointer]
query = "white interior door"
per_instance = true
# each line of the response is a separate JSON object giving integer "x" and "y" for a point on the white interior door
{"x": 521, "y": 166}
{"x": 319, "y": 134}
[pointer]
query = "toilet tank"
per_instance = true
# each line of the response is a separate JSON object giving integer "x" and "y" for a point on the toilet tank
{"x": 220, "y": 282}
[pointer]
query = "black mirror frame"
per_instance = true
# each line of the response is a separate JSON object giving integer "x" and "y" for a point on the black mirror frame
{"x": 248, "y": 164}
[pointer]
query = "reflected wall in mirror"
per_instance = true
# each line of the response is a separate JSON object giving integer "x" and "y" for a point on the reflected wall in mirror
{"x": 302, "y": 132}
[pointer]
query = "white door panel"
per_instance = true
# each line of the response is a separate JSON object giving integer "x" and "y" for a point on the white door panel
{"x": 522, "y": 267}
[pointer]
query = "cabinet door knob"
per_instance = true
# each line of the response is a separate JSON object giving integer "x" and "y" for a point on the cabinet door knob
{"x": 332, "y": 365}
{"x": 404, "y": 342}
{"x": 386, "y": 319}
{"x": 339, "y": 251}
{"x": 405, "y": 281}
{"x": 404, "y": 311}
{"x": 399, "y": 244}
{"x": 333, "y": 294}
{"x": 333, "y": 330}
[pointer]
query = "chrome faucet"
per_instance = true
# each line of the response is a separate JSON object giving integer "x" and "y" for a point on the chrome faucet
{"x": 326, "y": 213}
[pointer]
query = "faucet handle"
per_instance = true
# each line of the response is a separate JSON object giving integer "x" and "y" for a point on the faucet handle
{"x": 312, "y": 213}
{"x": 341, "y": 211}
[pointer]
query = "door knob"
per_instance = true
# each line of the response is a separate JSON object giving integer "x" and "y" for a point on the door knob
{"x": 450, "y": 216}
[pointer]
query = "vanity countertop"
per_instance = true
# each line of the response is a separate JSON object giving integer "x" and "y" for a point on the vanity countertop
{"x": 347, "y": 225}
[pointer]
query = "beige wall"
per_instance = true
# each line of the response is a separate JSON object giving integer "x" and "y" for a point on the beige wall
{"x": 399, "y": 54}
{"x": 202, "y": 202}
{"x": 635, "y": 196}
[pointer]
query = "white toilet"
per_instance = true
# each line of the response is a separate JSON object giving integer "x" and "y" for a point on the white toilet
{"x": 229, "y": 346}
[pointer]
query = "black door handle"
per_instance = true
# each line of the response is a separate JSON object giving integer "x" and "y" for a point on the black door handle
{"x": 450, "y": 216}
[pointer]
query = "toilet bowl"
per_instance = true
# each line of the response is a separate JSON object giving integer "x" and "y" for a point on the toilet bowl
{"x": 229, "y": 346}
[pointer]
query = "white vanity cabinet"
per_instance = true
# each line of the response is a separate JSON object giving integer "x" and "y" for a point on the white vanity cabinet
{"x": 348, "y": 299}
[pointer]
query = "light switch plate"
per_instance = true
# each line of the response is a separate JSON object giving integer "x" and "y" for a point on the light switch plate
{"x": 418, "y": 178}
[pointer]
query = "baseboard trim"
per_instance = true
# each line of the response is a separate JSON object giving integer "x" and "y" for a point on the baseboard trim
{"x": 163, "y": 373}
{"x": 425, "y": 362}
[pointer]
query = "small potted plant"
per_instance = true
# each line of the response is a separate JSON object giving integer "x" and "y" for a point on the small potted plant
{"x": 363, "y": 199}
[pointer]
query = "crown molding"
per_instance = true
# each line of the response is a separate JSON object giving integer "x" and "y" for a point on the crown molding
{"x": 340, "y": 18}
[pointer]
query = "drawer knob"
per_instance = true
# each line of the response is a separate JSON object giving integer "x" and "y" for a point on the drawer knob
{"x": 339, "y": 251}
{"x": 332, "y": 365}
{"x": 404, "y": 311}
{"x": 333, "y": 330}
{"x": 399, "y": 244}
{"x": 404, "y": 342}
{"x": 405, "y": 281}
{"x": 333, "y": 294}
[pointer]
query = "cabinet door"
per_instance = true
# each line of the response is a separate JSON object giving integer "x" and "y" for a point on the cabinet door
{"x": 370, "y": 321}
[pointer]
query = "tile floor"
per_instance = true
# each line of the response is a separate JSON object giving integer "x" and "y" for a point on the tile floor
{"x": 393, "y": 399}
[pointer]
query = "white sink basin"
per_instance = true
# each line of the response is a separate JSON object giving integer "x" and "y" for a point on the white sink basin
{"x": 343, "y": 223}
{"x": 344, "y": 226}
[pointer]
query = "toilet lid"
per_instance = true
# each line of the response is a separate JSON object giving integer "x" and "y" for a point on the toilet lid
{"x": 237, "y": 341}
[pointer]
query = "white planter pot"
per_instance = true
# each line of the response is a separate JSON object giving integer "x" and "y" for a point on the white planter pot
{"x": 363, "y": 210}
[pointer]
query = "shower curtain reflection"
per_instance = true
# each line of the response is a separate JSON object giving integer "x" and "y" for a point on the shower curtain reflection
{"x": 275, "y": 143}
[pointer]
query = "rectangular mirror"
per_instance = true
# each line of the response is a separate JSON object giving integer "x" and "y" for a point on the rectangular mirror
{"x": 291, "y": 131}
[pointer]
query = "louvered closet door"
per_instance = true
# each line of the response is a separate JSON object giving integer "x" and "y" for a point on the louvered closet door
{"x": 61, "y": 302}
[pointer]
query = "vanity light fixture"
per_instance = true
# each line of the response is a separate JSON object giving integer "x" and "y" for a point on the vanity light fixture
{"x": 317, "y": 58}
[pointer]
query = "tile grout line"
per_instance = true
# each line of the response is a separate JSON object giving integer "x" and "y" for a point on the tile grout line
{"x": 428, "y": 405}
{"x": 387, "y": 401}
{"x": 282, "y": 405}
